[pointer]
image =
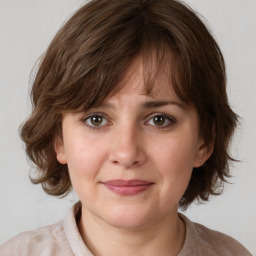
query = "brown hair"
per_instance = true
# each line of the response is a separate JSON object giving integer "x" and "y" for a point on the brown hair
{"x": 87, "y": 59}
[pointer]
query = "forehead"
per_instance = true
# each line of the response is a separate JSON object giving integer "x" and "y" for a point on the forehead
{"x": 135, "y": 82}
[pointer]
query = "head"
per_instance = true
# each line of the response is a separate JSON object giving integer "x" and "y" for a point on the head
{"x": 87, "y": 61}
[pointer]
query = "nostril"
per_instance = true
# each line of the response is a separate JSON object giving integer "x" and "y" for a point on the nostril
{"x": 133, "y": 164}
{"x": 127, "y": 157}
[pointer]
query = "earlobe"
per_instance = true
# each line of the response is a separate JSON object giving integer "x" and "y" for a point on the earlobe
{"x": 59, "y": 150}
{"x": 61, "y": 158}
{"x": 203, "y": 154}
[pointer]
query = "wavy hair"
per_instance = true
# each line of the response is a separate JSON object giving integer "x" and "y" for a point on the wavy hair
{"x": 87, "y": 59}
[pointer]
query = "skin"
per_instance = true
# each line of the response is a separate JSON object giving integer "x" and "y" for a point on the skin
{"x": 128, "y": 143}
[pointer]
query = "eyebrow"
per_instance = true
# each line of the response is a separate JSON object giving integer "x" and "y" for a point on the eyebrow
{"x": 160, "y": 103}
{"x": 147, "y": 104}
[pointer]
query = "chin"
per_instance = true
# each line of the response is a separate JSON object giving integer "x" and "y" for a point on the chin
{"x": 128, "y": 217}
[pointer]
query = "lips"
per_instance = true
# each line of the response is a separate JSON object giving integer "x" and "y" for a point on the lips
{"x": 127, "y": 187}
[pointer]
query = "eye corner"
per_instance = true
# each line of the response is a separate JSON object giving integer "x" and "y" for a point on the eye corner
{"x": 165, "y": 121}
{"x": 102, "y": 119}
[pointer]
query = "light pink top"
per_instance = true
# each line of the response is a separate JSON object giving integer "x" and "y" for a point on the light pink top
{"x": 63, "y": 239}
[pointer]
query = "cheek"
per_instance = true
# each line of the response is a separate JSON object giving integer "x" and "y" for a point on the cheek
{"x": 175, "y": 164}
{"x": 84, "y": 159}
{"x": 177, "y": 154}
{"x": 84, "y": 156}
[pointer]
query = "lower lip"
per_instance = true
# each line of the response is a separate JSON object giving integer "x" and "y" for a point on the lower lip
{"x": 128, "y": 190}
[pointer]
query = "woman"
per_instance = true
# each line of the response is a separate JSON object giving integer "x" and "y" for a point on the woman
{"x": 130, "y": 110}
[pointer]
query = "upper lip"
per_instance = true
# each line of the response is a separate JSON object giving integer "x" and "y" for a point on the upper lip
{"x": 120, "y": 182}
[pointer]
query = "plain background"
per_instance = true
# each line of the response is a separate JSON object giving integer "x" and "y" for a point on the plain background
{"x": 26, "y": 29}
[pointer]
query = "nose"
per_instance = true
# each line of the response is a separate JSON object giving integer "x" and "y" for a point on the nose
{"x": 127, "y": 148}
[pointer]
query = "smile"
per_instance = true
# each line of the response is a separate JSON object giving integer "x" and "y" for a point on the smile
{"x": 127, "y": 187}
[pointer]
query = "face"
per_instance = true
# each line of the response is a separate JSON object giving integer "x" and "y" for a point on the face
{"x": 130, "y": 159}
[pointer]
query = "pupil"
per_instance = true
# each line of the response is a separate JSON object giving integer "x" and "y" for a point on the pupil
{"x": 96, "y": 120}
{"x": 159, "y": 120}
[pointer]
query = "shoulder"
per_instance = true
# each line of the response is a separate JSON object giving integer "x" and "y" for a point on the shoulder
{"x": 210, "y": 242}
{"x": 49, "y": 240}
{"x": 218, "y": 242}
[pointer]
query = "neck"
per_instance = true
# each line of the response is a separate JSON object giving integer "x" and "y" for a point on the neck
{"x": 163, "y": 237}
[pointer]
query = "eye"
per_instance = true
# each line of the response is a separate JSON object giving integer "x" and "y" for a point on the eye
{"x": 161, "y": 120}
{"x": 95, "y": 121}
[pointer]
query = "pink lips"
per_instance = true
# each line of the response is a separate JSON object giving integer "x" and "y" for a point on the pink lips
{"x": 127, "y": 187}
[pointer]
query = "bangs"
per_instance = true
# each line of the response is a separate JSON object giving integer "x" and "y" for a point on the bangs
{"x": 85, "y": 88}
{"x": 89, "y": 63}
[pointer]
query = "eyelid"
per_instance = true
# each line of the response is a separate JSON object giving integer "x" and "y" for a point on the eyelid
{"x": 84, "y": 119}
{"x": 93, "y": 114}
{"x": 171, "y": 119}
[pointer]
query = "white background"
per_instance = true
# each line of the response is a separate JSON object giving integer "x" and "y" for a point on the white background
{"x": 26, "y": 29}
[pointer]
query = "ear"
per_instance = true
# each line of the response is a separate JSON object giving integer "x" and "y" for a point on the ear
{"x": 203, "y": 152}
{"x": 59, "y": 150}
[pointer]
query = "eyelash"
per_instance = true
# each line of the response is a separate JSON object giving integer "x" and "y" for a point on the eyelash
{"x": 84, "y": 120}
{"x": 170, "y": 120}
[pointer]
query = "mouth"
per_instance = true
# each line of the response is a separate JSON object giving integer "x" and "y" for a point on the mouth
{"x": 127, "y": 187}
